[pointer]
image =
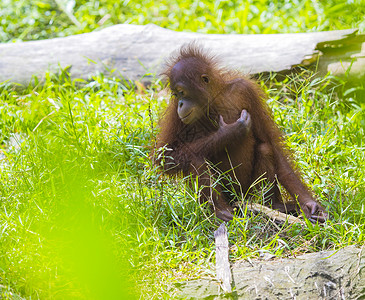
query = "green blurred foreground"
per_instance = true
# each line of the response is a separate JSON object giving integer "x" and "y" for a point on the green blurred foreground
{"x": 64, "y": 233}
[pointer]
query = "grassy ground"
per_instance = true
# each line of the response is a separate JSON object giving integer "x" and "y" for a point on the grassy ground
{"x": 42, "y": 19}
{"x": 84, "y": 214}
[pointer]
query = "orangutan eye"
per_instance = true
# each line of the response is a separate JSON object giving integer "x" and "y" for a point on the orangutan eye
{"x": 205, "y": 78}
{"x": 181, "y": 92}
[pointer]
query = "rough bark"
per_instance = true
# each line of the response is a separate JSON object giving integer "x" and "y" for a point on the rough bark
{"x": 323, "y": 275}
{"x": 137, "y": 52}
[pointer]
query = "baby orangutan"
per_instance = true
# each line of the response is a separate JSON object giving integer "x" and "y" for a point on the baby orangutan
{"x": 218, "y": 116}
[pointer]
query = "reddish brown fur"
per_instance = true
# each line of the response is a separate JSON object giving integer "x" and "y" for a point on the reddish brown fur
{"x": 252, "y": 147}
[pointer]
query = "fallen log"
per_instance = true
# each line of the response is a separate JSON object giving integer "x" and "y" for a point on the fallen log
{"x": 323, "y": 275}
{"x": 136, "y": 52}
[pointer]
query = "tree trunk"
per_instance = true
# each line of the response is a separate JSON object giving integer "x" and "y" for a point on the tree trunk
{"x": 323, "y": 275}
{"x": 137, "y": 52}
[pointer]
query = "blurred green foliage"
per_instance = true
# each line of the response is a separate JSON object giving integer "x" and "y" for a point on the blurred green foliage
{"x": 43, "y": 19}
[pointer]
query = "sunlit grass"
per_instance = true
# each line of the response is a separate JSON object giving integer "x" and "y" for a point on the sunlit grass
{"x": 29, "y": 20}
{"x": 85, "y": 214}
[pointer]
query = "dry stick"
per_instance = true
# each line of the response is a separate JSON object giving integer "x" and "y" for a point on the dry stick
{"x": 223, "y": 268}
{"x": 274, "y": 214}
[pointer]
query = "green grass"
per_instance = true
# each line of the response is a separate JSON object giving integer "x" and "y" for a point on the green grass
{"x": 42, "y": 19}
{"x": 83, "y": 212}
{"x": 80, "y": 197}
